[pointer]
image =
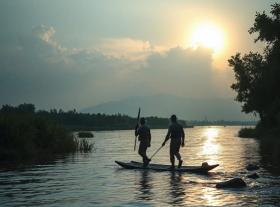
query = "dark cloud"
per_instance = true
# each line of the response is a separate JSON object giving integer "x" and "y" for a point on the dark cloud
{"x": 40, "y": 70}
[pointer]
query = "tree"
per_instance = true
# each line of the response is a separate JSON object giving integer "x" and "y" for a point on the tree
{"x": 22, "y": 108}
{"x": 258, "y": 75}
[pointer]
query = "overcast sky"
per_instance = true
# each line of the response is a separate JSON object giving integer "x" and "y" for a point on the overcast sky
{"x": 74, "y": 54}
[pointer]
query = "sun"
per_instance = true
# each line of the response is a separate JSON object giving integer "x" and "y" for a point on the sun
{"x": 208, "y": 35}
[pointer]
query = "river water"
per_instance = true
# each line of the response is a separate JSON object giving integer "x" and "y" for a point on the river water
{"x": 93, "y": 179}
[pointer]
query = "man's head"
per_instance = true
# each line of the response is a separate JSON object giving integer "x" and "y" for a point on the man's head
{"x": 173, "y": 118}
{"x": 142, "y": 121}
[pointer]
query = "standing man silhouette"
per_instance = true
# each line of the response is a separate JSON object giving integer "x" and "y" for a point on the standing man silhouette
{"x": 177, "y": 135}
{"x": 144, "y": 136}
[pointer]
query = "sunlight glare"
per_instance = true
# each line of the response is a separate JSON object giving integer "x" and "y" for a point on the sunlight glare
{"x": 211, "y": 133}
{"x": 210, "y": 147}
{"x": 208, "y": 35}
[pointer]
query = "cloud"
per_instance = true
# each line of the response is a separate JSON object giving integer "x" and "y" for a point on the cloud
{"x": 179, "y": 71}
{"x": 42, "y": 71}
{"x": 45, "y": 33}
{"x": 126, "y": 48}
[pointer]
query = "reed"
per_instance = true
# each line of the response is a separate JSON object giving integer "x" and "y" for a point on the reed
{"x": 25, "y": 135}
{"x": 83, "y": 145}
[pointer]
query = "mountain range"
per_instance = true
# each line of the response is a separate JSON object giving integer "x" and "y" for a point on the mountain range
{"x": 166, "y": 105}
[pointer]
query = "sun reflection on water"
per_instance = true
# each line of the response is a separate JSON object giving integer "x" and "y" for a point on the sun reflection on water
{"x": 211, "y": 133}
{"x": 210, "y": 148}
{"x": 208, "y": 197}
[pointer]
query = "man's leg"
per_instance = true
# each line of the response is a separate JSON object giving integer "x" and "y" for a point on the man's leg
{"x": 142, "y": 152}
{"x": 171, "y": 153}
{"x": 177, "y": 154}
{"x": 146, "y": 160}
{"x": 172, "y": 160}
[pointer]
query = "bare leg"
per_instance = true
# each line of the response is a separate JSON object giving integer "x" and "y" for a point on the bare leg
{"x": 178, "y": 156}
{"x": 172, "y": 159}
{"x": 142, "y": 152}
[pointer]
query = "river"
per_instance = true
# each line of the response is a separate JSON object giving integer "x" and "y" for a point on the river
{"x": 93, "y": 179}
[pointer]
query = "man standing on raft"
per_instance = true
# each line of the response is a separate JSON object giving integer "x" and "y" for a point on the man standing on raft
{"x": 177, "y": 135}
{"x": 144, "y": 136}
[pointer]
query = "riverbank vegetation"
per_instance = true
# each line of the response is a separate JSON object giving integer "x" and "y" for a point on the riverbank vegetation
{"x": 77, "y": 121}
{"x": 247, "y": 133}
{"x": 26, "y": 135}
{"x": 85, "y": 134}
{"x": 84, "y": 122}
{"x": 258, "y": 76}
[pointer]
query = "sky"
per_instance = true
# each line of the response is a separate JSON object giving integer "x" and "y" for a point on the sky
{"x": 75, "y": 54}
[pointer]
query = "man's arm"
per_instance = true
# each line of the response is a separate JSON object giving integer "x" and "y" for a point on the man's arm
{"x": 149, "y": 138}
{"x": 167, "y": 136}
{"x": 183, "y": 137}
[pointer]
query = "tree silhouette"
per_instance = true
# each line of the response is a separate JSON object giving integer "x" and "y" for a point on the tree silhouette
{"x": 258, "y": 75}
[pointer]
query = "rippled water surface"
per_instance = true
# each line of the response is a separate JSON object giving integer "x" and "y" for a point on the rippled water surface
{"x": 95, "y": 180}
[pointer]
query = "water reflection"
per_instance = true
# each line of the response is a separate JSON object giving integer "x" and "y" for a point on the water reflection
{"x": 210, "y": 147}
{"x": 92, "y": 179}
{"x": 211, "y": 133}
{"x": 207, "y": 196}
{"x": 177, "y": 188}
{"x": 145, "y": 186}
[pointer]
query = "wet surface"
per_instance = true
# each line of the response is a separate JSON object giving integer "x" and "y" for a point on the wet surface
{"x": 94, "y": 179}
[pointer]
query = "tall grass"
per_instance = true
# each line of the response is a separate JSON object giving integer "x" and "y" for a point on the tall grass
{"x": 83, "y": 145}
{"x": 25, "y": 136}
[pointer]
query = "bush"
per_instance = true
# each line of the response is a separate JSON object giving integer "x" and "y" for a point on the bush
{"x": 247, "y": 133}
{"x": 261, "y": 131}
{"x": 85, "y": 134}
{"x": 28, "y": 136}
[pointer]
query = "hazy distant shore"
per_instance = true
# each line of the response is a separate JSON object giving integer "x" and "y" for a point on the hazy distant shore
{"x": 108, "y": 128}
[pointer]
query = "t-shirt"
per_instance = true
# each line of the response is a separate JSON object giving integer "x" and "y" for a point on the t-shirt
{"x": 175, "y": 131}
{"x": 143, "y": 133}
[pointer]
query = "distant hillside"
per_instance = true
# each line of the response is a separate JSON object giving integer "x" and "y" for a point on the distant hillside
{"x": 165, "y": 105}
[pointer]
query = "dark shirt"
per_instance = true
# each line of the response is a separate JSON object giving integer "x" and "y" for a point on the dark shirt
{"x": 144, "y": 134}
{"x": 175, "y": 131}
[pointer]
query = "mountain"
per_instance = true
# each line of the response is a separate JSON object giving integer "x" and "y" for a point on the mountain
{"x": 166, "y": 105}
